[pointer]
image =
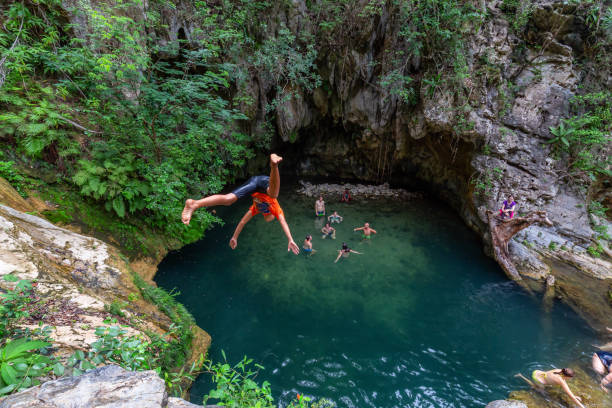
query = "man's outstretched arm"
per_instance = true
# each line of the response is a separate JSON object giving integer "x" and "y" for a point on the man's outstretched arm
{"x": 246, "y": 218}
{"x": 292, "y": 245}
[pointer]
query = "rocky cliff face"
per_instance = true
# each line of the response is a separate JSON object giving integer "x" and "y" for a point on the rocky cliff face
{"x": 76, "y": 279}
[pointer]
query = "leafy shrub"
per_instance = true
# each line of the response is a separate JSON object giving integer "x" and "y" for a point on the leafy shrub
{"x": 20, "y": 365}
{"x": 585, "y": 140}
{"x": 236, "y": 387}
{"x": 10, "y": 173}
{"x": 57, "y": 216}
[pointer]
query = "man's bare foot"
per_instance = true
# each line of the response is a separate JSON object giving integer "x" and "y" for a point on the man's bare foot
{"x": 275, "y": 159}
{"x": 187, "y": 211}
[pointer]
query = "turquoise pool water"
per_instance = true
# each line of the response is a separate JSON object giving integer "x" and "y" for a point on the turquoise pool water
{"x": 422, "y": 319}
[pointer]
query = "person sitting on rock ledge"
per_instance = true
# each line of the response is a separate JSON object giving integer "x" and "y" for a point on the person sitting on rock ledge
{"x": 553, "y": 377}
{"x": 346, "y": 196}
{"x": 508, "y": 208}
{"x": 264, "y": 191}
{"x": 335, "y": 217}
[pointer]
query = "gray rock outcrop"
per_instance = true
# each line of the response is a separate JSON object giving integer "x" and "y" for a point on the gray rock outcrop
{"x": 105, "y": 387}
{"x": 76, "y": 279}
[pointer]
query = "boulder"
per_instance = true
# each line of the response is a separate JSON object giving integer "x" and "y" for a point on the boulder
{"x": 506, "y": 404}
{"x": 105, "y": 387}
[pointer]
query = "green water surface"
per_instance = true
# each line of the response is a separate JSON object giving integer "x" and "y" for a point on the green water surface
{"x": 422, "y": 319}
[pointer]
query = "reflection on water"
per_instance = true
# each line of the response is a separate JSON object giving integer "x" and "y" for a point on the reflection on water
{"x": 421, "y": 319}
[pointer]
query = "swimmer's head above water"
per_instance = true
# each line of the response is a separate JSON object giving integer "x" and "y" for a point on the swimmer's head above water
{"x": 566, "y": 372}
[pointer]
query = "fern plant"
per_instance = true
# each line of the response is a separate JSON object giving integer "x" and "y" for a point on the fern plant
{"x": 114, "y": 183}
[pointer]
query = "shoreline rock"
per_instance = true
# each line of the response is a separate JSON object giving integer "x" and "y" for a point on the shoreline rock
{"x": 357, "y": 190}
{"x": 108, "y": 386}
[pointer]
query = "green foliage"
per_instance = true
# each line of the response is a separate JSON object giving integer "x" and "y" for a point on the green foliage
{"x": 116, "y": 308}
{"x": 601, "y": 237}
{"x": 518, "y": 13}
{"x": 281, "y": 59}
{"x": 21, "y": 368}
{"x": 12, "y": 175}
{"x": 583, "y": 141}
{"x": 22, "y": 361}
{"x": 552, "y": 245}
{"x": 57, "y": 216}
{"x": 135, "y": 134}
{"x": 236, "y": 387}
{"x": 595, "y": 250}
{"x": 183, "y": 321}
{"x": 13, "y": 305}
{"x": 485, "y": 182}
{"x": 20, "y": 365}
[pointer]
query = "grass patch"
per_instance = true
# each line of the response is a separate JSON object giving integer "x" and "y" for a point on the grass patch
{"x": 175, "y": 355}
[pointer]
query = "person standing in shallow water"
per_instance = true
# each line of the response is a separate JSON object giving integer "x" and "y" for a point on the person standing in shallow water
{"x": 320, "y": 207}
{"x": 553, "y": 377}
{"x": 307, "y": 245}
{"x": 367, "y": 231}
{"x": 264, "y": 191}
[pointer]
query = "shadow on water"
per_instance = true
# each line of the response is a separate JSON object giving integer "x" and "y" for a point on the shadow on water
{"x": 421, "y": 319}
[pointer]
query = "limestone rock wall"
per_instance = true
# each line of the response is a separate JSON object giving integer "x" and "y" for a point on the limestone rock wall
{"x": 75, "y": 278}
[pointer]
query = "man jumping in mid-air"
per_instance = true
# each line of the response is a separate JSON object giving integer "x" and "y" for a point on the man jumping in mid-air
{"x": 264, "y": 191}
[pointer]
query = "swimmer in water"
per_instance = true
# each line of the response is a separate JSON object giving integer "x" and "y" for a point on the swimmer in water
{"x": 335, "y": 217}
{"x": 367, "y": 231}
{"x": 264, "y": 191}
{"x": 553, "y": 377}
{"x": 345, "y": 252}
{"x": 307, "y": 246}
{"x": 328, "y": 231}
{"x": 602, "y": 364}
{"x": 320, "y": 207}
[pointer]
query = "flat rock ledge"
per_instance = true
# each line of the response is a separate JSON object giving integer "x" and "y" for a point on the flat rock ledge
{"x": 357, "y": 191}
{"x": 506, "y": 404}
{"x": 105, "y": 387}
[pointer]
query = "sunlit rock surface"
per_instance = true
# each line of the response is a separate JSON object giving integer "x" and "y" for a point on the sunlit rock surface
{"x": 506, "y": 404}
{"x": 76, "y": 278}
{"x": 105, "y": 387}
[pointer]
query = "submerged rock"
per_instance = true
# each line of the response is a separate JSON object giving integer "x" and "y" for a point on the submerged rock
{"x": 506, "y": 404}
